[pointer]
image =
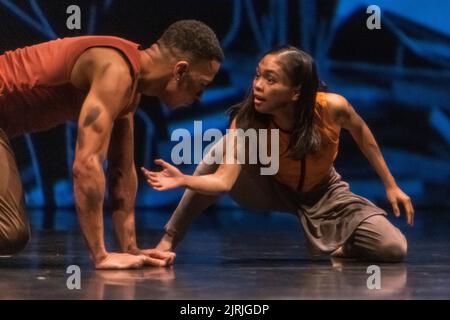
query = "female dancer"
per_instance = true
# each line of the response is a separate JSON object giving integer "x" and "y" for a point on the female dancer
{"x": 285, "y": 96}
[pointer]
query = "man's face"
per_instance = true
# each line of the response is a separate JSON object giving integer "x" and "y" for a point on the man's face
{"x": 189, "y": 82}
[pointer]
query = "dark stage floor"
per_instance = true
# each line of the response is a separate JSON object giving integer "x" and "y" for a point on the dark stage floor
{"x": 228, "y": 255}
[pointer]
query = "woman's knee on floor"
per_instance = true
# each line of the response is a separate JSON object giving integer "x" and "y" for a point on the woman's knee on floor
{"x": 377, "y": 239}
{"x": 392, "y": 248}
{"x": 392, "y": 244}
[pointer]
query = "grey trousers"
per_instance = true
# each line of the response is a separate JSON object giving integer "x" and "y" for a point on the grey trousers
{"x": 14, "y": 226}
{"x": 332, "y": 216}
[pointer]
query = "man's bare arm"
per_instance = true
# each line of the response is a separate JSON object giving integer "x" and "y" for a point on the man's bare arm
{"x": 110, "y": 85}
{"x": 123, "y": 182}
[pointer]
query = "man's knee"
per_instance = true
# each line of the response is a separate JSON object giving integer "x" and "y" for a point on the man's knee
{"x": 14, "y": 241}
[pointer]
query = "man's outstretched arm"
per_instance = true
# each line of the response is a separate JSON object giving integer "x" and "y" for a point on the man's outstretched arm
{"x": 123, "y": 184}
{"x": 109, "y": 90}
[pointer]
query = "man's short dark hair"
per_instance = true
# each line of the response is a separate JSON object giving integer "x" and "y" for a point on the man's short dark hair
{"x": 194, "y": 37}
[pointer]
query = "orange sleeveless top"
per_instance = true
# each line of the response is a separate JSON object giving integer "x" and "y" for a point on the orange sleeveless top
{"x": 35, "y": 89}
{"x": 303, "y": 175}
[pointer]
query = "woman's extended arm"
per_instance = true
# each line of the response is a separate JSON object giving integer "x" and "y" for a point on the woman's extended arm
{"x": 212, "y": 184}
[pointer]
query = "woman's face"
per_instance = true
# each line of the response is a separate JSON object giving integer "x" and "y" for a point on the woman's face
{"x": 272, "y": 90}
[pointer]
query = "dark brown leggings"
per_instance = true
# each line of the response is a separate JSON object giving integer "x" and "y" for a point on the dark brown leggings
{"x": 14, "y": 226}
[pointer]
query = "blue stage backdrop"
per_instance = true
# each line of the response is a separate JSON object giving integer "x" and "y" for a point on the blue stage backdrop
{"x": 397, "y": 77}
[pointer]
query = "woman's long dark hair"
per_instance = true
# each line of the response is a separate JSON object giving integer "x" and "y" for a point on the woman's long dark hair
{"x": 301, "y": 70}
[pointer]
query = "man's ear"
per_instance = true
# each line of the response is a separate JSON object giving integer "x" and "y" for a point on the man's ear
{"x": 181, "y": 69}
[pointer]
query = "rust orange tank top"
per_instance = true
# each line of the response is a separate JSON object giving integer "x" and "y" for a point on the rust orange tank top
{"x": 303, "y": 175}
{"x": 35, "y": 89}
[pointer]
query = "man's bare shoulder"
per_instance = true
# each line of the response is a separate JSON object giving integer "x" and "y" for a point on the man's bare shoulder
{"x": 99, "y": 61}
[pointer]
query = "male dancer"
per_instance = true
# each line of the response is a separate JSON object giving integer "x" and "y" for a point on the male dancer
{"x": 96, "y": 81}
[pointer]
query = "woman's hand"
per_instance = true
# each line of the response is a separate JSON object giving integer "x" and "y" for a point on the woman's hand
{"x": 396, "y": 196}
{"x": 169, "y": 178}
